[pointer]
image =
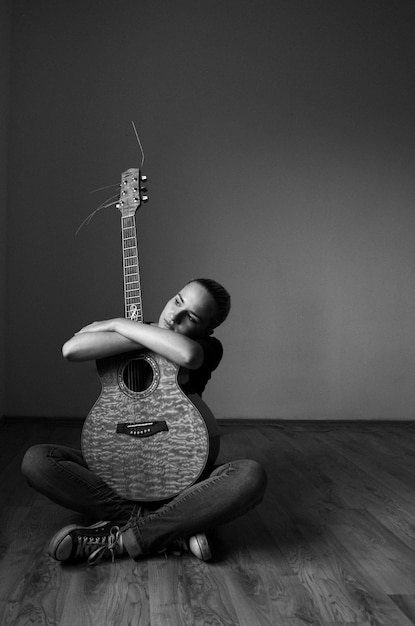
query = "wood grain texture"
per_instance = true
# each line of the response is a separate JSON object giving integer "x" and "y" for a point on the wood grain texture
{"x": 333, "y": 542}
{"x": 155, "y": 467}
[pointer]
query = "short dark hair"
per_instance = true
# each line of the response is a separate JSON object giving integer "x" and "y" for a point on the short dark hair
{"x": 221, "y": 297}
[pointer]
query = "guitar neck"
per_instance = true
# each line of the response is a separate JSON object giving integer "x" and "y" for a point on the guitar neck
{"x": 132, "y": 285}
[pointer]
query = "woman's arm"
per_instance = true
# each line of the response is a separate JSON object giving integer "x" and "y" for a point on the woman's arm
{"x": 87, "y": 346}
{"x": 109, "y": 337}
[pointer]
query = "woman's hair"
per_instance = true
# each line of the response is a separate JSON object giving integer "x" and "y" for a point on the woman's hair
{"x": 221, "y": 297}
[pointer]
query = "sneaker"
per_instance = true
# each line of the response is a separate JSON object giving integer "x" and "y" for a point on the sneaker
{"x": 91, "y": 543}
{"x": 196, "y": 544}
{"x": 199, "y": 547}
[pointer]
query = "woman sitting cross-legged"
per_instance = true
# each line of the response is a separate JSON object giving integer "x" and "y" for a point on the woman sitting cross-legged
{"x": 120, "y": 526}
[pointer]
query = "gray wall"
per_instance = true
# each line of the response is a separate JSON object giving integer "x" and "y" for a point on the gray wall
{"x": 279, "y": 141}
{"x": 5, "y": 32}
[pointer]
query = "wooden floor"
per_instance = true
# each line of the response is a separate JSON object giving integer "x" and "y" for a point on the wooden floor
{"x": 332, "y": 543}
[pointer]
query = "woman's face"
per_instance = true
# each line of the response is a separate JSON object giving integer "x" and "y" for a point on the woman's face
{"x": 190, "y": 312}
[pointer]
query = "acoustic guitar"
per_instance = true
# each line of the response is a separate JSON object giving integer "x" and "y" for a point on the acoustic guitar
{"x": 144, "y": 436}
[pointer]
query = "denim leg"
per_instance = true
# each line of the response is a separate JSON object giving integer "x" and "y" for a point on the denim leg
{"x": 61, "y": 474}
{"x": 231, "y": 490}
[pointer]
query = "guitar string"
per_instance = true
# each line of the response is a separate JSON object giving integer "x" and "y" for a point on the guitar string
{"x": 140, "y": 144}
{"x": 126, "y": 256}
{"x": 134, "y": 368}
{"x": 112, "y": 201}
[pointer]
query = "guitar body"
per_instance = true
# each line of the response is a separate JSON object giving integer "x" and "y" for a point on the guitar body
{"x": 144, "y": 436}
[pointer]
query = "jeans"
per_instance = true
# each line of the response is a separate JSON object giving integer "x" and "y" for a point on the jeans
{"x": 61, "y": 474}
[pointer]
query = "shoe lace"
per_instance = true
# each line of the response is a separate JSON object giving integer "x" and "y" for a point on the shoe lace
{"x": 97, "y": 548}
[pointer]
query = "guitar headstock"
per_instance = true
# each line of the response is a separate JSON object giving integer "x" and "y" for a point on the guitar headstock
{"x": 131, "y": 194}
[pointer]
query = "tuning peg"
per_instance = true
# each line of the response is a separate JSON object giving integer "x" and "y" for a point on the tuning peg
{"x": 143, "y": 178}
{"x": 144, "y": 198}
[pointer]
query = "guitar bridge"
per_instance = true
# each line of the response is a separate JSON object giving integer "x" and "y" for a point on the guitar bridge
{"x": 142, "y": 429}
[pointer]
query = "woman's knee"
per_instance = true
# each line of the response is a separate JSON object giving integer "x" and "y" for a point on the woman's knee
{"x": 248, "y": 477}
{"x": 33, "y": 460}
{"x": 254, "y": 476}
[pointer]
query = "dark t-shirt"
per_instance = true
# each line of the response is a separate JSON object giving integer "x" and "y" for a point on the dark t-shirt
{"x": 195, "y": 381}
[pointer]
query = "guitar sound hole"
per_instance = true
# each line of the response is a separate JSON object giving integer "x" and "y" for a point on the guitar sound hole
{"x": 138, "y": 375}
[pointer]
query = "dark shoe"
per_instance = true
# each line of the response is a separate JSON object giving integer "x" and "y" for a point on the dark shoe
{"x": 91, "y": 543}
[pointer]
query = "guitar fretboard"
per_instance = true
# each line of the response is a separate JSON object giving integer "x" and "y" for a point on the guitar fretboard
{"x": 132, "y": 285}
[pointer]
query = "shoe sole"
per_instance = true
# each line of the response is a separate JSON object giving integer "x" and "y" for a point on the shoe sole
{"x": 203, "y": 550}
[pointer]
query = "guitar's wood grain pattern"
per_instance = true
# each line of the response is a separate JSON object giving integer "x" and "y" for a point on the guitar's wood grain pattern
{"x": 148, "y": 468}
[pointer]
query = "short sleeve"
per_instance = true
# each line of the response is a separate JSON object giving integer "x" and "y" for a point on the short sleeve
{"x": 195, "y": 381}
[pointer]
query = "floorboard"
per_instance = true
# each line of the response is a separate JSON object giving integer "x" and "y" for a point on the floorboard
{"x": 333, "y": 542}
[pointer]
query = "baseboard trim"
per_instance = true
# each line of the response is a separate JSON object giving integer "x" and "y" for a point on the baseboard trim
{"x": 225, "y": 422}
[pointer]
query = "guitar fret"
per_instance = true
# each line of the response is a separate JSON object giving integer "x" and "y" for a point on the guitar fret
{"x": 132, "y": 289}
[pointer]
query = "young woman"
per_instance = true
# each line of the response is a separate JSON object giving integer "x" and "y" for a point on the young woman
{"x": 183, "y": 335}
